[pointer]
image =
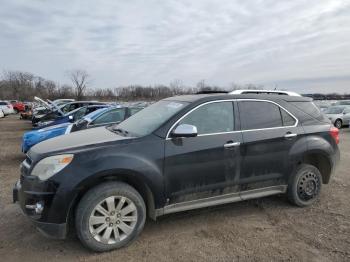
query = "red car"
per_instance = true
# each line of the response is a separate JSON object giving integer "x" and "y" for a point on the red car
{"x": 18, "y": 106}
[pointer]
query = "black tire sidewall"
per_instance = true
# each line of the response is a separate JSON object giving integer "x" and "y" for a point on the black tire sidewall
{"x": 339, "y": 121}
{"x": 92, "y": 198}
{"x": 293, "y": 185}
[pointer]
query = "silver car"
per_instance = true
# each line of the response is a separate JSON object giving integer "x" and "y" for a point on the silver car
{"x": 339, "y": 115}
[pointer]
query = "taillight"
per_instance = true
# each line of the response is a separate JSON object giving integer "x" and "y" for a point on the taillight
{"x": 335, "y": 134}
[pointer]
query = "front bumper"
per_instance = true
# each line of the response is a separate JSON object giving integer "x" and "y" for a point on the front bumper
{"x": 27, "y": 201}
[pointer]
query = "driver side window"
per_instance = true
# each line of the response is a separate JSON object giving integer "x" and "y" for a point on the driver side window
{"x": 211, "y": 118}
{"x": 113, "y": 116}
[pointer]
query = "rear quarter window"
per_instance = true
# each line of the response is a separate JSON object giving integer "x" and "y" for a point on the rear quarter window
{"x": 309, "y": 108}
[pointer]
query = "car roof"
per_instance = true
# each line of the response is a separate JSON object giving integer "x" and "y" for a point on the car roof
{"x": 211, "y": 97}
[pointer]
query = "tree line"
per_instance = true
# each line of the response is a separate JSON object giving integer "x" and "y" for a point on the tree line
{"x": 23, "y": 86}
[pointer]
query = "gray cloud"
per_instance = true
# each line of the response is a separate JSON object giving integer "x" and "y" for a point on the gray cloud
{"x": 299, "y": 45}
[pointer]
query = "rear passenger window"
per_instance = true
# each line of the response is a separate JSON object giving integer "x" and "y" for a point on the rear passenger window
{"x": 259, "y": 114}
{"x": 211, "y": 118}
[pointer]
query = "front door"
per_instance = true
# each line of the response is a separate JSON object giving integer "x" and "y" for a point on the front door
{"x": 208, "y": 164}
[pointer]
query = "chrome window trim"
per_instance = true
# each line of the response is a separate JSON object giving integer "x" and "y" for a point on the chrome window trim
{"x": 235, "y": 131}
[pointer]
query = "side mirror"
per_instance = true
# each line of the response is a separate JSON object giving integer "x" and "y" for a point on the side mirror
{"x": 185, "y": 130}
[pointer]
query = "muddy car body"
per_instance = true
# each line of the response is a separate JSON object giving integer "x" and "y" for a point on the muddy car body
{"x": 178, "y": 154}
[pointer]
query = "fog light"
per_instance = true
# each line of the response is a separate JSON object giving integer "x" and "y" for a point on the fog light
{"x": 38, "y": 208}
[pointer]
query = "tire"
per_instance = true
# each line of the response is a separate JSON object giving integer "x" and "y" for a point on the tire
{"x": 338, "y": 123}
{"x": 305, "y": 185}
{"x": 93, "y": 225}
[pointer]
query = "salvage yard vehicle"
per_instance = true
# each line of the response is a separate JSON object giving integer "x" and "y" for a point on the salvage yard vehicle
{"x": 6, "y": 108}
{"x": 100, "y": 115}
{"x": 55, "y": 111}
{"x": 17, "y": 106}
{"x": 339, "y": 115}
{"x": 71, "y": 116}
{"x": 178, "y": 154}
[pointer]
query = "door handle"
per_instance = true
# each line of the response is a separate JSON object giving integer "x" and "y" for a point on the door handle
{"x": 290, "y": 135}
{"x": 231, "y": 144}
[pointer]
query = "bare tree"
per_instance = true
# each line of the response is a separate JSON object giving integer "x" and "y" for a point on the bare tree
{"x": 79, "y": 79}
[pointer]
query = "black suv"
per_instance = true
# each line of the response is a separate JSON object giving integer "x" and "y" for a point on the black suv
{"x": 178, "y": 154}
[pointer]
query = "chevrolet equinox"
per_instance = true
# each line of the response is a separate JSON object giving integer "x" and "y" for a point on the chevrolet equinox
{"x": 178, "y": 154}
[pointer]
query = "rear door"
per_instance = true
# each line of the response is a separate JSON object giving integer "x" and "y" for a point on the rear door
{"x": 269, "y": 132}
{"x": 206, "y": 165}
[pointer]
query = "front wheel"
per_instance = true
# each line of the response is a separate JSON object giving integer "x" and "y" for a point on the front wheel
{"x": 338, "y": 123}
{"x": 110, "y": 216}
{"x": 305, "y": 185}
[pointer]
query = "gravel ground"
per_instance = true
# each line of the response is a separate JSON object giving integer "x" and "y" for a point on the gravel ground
{"x": 259, "y": 230}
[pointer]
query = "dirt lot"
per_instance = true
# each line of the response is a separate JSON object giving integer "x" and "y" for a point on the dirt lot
{"x": 260, "y": 230}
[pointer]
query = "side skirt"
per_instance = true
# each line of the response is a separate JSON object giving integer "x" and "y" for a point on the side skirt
{"x": 220, "y": 200}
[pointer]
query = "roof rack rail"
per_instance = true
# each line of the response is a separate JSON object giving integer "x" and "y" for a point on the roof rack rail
{"x": 211, "y": 92}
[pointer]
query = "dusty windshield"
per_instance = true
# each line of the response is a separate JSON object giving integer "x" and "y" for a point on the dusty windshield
{"x": 149, "y": 119}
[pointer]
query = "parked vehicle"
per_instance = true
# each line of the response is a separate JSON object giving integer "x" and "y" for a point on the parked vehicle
{"x": 342, "y": 103}
{"x": 6, "y": 108}
{"x": 178, "y": 154}
{"x": 100, "y": 117}
{"x": 266, "y": 92}
{"x": 59, "y": 111}
{"x": 104, "y": 117}
{"x": 70, "y": 117}
{"x": 2, "y": 114}
{"x": 17, "y": 106}
{"x": 339, "y": 115}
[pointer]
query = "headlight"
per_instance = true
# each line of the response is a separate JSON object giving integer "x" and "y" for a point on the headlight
{"x": 50, "y": 166}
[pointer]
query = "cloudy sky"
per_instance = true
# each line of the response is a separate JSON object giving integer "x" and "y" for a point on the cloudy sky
{"x": 300, "y": 45}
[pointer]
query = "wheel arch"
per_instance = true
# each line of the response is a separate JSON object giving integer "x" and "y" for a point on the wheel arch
{"x": 125, "y": 176}
{"x": 321, "y": 161}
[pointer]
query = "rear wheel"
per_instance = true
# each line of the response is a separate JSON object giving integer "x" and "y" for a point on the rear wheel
{"x": 305, "y": 185}
{"x": 110, "y": 216}
{"x": 338, "y": 123}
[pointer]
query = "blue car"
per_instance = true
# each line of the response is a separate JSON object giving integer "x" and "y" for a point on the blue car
{"x": 100, "y": 117}
{"x": 71, "y": 116}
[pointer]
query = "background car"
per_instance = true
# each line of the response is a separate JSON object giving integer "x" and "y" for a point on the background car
{"x": 342, "y": 103}
{"x": 59, "y": 111}
{"x": 71, "y": 116}
{"x": 104, "y": 117}
{"x": 6, "y": 107}
{"x": 100, "y": 117}
{"x": 17, "y": 106}
{"x": 339, "y": 115}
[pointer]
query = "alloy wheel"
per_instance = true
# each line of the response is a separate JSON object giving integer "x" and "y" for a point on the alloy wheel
{"x": 113, "y": 219}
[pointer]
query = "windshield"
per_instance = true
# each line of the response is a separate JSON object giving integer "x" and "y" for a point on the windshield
{"x": 149, "y": 119}
{"x": 334, "y": 110}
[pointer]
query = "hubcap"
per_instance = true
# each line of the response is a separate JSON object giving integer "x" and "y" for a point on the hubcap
{"x": 308, "y": 186}
{"x": 113, "y": 219}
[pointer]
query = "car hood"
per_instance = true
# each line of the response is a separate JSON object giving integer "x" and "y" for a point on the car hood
{"x": 75, "y": 140}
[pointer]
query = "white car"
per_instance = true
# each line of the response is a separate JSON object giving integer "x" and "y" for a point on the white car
{"x": 339, "y": 115}
{"x": 267, "y": 92}
{"x": 6, "y": 108}
{"x": 2, "y": 114}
